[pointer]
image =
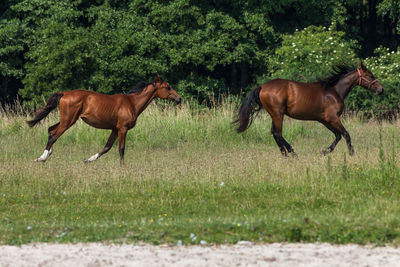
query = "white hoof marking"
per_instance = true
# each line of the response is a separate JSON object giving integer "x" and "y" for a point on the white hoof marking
{"x": 46, "y": 154}
{"x": 93, "y": 158}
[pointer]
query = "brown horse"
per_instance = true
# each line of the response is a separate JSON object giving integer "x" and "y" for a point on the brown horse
{"x": 321, "y": 101}
{"x": 115, "y": 112}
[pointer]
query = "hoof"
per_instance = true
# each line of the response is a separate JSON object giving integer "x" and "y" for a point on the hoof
{"x": 326, "y": 151}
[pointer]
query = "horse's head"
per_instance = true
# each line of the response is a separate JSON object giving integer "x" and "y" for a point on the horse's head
{"x": 367, "y": 80}
{"x": 165, "y": 91}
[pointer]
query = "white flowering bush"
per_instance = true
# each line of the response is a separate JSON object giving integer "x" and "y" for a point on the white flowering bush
{"x": 385, "y": 66}
{"x": 310, "y": 53}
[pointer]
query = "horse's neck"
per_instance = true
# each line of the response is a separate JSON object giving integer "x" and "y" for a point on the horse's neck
{"x": 344, "y": 86}
{"x": 142, "y": 100}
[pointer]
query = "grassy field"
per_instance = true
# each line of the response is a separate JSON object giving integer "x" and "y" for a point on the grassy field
{"x": 190, "y": 177}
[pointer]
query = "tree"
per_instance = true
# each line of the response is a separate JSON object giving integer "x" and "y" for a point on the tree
{"x": 11, "y": 59}
{"x": 203, "y": 48}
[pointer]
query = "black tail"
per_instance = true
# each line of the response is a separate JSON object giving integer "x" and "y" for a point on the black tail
{"x": 250, "y": 106}
{"x": 51, "y": 104}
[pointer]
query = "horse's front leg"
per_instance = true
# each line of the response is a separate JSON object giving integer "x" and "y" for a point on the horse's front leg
{"x": 338, "y": 129}
{"x": 121, "y": 140}
{"x": 107, "y": 147}
{"x": 337, "y": 134}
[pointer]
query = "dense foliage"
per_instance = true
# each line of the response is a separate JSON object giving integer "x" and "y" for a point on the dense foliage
{"x": 203, "y": 48}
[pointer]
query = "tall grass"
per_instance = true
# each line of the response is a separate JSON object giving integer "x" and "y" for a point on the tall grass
{"x": 189, "y": 176}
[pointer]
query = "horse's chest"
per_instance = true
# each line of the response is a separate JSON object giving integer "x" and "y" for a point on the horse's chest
{"x": 131, "y": 124}
{"x": 126, "y": 121}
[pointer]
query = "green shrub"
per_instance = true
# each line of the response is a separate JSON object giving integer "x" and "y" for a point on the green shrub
{"x": 204, "y": 89}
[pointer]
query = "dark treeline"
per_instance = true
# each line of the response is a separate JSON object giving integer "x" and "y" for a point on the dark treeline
{"x": 202, "y": 47}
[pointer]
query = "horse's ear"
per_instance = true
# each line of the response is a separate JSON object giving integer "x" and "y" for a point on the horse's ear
{"x": 158, "y": 78}
{"x": 362, "y": 66}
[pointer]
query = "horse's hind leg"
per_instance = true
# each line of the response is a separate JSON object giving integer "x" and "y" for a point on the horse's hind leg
{"x": 276, "y": 131}
{"x": 107, "y": 147}
{"x": 278, "y": 139}
{"x": 47, "y": 152}
{"x": 53, "y": 136}
{"x": 288, "y": 147}
{"x": 56, "y": 131}
{"x": 281, "y": 142}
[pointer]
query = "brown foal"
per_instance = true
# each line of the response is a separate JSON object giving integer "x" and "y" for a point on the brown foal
{"x": 321, "y": 101}
{"x": 115, "y": 112}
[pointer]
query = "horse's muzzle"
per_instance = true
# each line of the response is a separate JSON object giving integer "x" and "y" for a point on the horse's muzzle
{"x": 379, "y": 91}
{"x": 178, "y": 100}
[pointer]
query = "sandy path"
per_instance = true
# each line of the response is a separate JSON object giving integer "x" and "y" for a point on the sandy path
{"x": 243, "y": 254}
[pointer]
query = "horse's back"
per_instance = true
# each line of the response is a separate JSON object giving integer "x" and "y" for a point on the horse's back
{"x": 296, "y": 99}
{"x": 86, "y": 97}
{"x": 80, "y": 93}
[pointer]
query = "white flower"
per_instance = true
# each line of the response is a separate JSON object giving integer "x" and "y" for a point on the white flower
{"x": 61, "y": 234}
{"x": 193, "y": 237}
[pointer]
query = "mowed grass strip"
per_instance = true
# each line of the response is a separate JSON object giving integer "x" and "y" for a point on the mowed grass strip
{"x": 189, "y": 176}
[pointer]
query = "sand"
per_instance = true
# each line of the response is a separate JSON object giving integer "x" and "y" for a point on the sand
{"x": 242, "y": 254}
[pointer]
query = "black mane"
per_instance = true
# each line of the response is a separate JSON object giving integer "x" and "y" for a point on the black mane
{"x": 139, "y": 87}
{"x": 337, "y": 73}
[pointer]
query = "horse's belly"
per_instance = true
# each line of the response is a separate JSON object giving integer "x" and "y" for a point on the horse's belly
{"x": 304, "y": 113}
{"x": 306, "y": 117}
{"x": 97, "y": 124}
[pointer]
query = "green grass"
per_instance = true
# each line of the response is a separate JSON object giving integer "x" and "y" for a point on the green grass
{"x": 188, "y": 173}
